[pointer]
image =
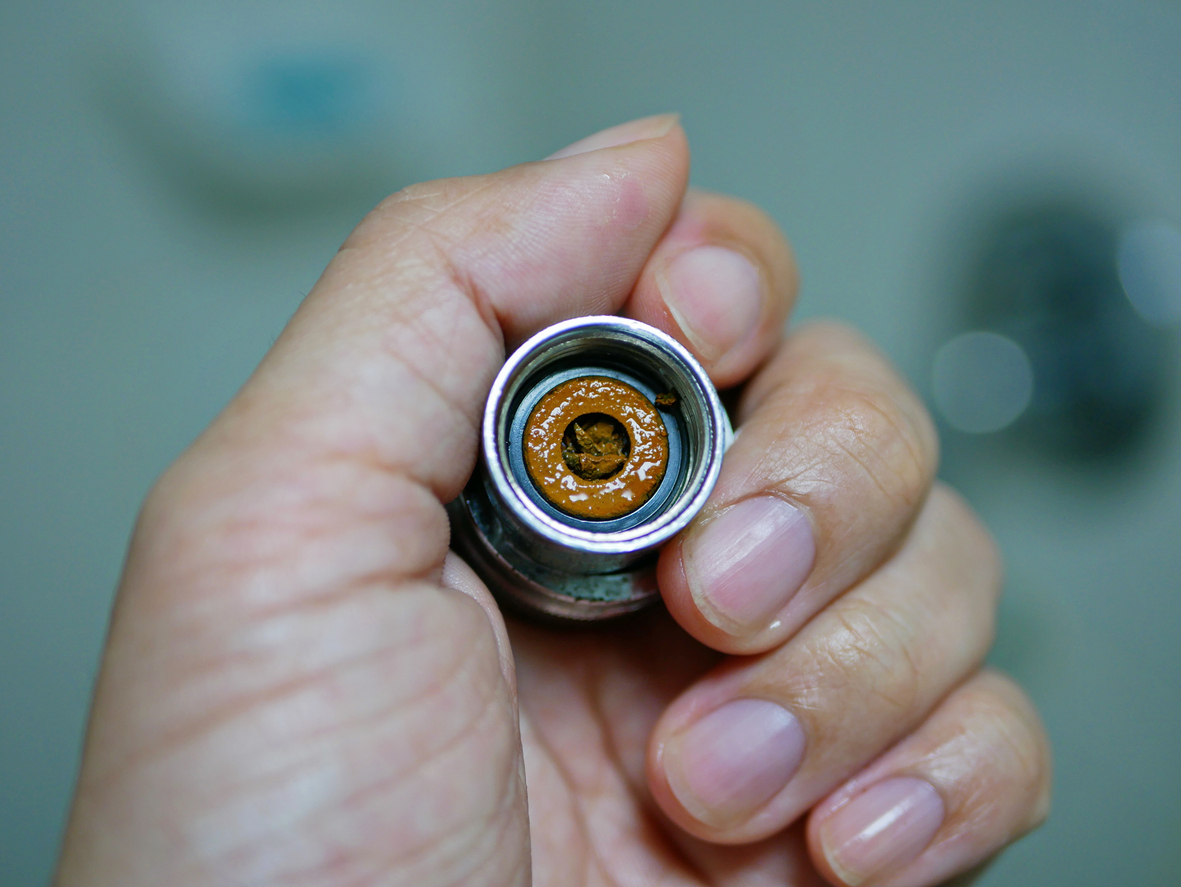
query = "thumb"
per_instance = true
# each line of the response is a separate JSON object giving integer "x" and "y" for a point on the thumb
{"x": 287, "y": 690}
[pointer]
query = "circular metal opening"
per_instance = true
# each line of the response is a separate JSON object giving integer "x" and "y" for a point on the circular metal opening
{"x": 617, "y": 354}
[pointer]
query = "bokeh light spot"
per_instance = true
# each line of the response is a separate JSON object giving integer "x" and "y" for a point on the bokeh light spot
{"x": 1150, "y": 270}
{"x": 982, "y": 382}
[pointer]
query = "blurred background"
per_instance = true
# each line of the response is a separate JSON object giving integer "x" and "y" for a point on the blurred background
{"x": 992, "y": 191}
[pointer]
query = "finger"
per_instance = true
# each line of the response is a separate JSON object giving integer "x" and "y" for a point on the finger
{"x": 326, "y": 472}
{"x": 748, "y": 749}
{"x": 722, "y": 281}
{"x": 281, "y": 642}
{"x": 973, "y": 778}
{"x": 364, "y": 415}
{"x": 833, "y": 458}
{"x": 391, "y": 355}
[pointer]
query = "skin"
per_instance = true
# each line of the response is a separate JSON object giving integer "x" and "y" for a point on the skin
{"x": 302, "y": 686}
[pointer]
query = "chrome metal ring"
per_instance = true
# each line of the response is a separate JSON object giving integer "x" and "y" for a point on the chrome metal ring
{"x": 534, "y": 557}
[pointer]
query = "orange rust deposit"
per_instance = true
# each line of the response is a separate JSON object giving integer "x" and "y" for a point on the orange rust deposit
{"x": 596, "y": 448}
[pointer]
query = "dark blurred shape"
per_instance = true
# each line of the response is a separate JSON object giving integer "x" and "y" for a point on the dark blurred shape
{"x": 1048, "y": 279}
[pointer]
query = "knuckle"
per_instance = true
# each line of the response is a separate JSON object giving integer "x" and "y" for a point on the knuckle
{"x": 179, "y": 491}
{"x": 1011, "y": 751}
{"x": 977, "y": 555}
{"x": 873, "y": 437}
{"x": 1027, "y": 747}
{"x": 268, "y": 520}
{"x": 888, "y": 404}
{"x": 413, "y": 207}
{"x": 421, "y": 198}
{"x": 869, "y": 652}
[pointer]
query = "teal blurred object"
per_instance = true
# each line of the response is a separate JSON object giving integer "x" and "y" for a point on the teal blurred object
{"x": 308, "y": 93}
{"x": 261, "y": 105}
{"x": 176, "y": 174}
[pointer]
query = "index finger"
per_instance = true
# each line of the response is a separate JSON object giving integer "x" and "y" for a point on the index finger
{"x": 390, "y": 356}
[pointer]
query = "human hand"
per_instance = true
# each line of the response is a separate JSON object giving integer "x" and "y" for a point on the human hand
{"x": 301, "y": 685}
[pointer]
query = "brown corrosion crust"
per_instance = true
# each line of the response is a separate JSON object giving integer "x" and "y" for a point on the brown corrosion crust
{"x": 615, "y": 491}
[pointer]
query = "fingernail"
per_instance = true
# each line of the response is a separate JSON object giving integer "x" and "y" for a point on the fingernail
{"x": 715, "y": 295}
{"x": 734, "y": 760}
{"x": 624, "y": 134}
{"x": 882, "y": 829}
{"x": 745, "y": 564}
